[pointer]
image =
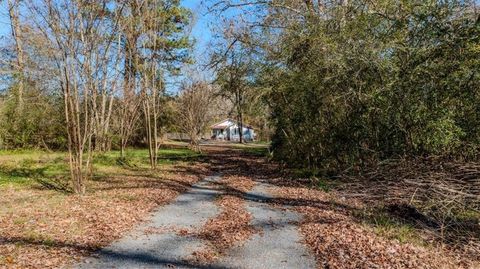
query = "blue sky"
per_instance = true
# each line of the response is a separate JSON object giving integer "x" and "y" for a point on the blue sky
{"x": 4, "y": 21}
{"x": 201, "y": 30}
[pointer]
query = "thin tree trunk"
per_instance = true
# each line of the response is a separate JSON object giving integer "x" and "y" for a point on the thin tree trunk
{"x": 130, "y": 103}
{"x": 148, "y": 125}
{"x": 240, "y": 115}
{"x": 13, "y": 9}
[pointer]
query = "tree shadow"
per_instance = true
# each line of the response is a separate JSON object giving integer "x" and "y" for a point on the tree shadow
{"x": 39, "y": 175}
{"x": 56, "y": 184}
{"x": 454, "y": 231}
{"x": 138, "y": 258}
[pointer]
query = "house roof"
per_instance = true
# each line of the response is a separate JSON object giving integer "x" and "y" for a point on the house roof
{"x": 227, "y": 123}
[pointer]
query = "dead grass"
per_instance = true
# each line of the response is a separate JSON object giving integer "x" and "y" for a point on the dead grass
{"x": 42, "y": 228}
{"x": 339, "y": 240}
{"x": 344, "y": 231}
{"x": 435, "y": 199}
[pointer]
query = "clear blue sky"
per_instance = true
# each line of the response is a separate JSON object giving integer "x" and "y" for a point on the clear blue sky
{"x": 4, "y": 20}
{"x": 201, "y": 29}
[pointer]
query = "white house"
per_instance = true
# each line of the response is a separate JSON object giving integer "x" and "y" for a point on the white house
{"x": 228, "y": 130}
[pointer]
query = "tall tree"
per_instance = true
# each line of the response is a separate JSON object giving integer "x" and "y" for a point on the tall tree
{"x": 130, "y": 111}
{"x": 13, "y": 11}
{"x": 235, "y": 70}
{"x": 164, "y": 47}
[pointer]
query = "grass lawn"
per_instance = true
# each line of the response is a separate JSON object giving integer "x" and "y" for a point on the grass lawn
{"x": 42, "y": 224}
{"x": 27, "y": 168}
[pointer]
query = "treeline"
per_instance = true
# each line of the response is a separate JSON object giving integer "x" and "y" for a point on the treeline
{"x": 353, "y": 82}
{"x": 42, "y": 125}
{"x": 90, "y": 75}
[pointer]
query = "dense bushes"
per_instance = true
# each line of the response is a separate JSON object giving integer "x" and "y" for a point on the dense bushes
{"x": 364, "y": 82}
{"x": 39, "y": 124}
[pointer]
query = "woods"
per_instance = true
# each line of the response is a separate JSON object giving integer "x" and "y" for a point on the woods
{"x": 354, "y": 82}
{"x": 91, "y": 46}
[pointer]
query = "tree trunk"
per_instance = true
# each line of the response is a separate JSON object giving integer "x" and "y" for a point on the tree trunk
{"x": 240, "y": 126}
{"x": 240, "y": 114}
{"x": 129, "y": 112}
{"x": 13, "y": 10}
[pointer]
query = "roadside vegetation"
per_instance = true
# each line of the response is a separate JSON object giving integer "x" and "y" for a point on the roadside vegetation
{"x": 35, "y": 167}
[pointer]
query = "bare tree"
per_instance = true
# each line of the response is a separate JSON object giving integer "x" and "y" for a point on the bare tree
{"x": 130, "y": 111}
{"x": 234, "y": 67}
{"x": 195, "y": 110}
{"x": 151, "y": 78}
{"x": 150, "y": 103}
{"x": 77, "y": 30}
{"x": 108, "y": 60}
{"x": 129, "y": 118}
{"x": 13, "y": 10}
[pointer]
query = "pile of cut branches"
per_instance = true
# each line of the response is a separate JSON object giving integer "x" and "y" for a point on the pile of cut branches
{"x": 436, "y": 195}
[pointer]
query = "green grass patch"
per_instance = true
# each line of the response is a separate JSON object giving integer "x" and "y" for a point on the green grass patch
{"x": 253, "y": 148}
{"x": 385, "y": 225}
{"x": 467, "y": 215}
{"x": 28, "y": 171}
{"x": 6, "y": 179}
{"x": 317, "y": 179}
{"x": 21, "y": 168}
{"x": 257, "y": 151}
{"x": 140, "y": 158}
